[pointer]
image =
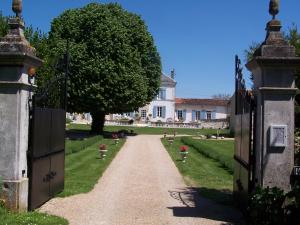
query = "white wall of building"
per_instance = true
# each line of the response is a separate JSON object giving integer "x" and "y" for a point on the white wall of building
{"x": 218, "y": 112}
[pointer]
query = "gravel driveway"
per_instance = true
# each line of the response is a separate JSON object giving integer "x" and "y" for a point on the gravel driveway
{"x": 142, "y": 186}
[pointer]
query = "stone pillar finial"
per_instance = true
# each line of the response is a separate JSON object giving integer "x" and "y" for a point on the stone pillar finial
{"x": 17, "y": 7}
{"x": 274, "y": 8}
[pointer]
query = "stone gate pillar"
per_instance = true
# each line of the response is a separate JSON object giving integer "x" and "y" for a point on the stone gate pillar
{"x": 273, "y": 69}
{"x": 17, "y": 57}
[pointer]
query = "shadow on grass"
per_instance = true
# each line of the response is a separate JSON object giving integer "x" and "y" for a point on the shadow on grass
{"x": 78, "y": 134}
{"x": 194, "y": 205}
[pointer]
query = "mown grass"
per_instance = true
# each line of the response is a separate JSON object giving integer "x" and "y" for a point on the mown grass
{"x": 207, "y": 175}
{"x": 161, "y": 130}
{"x": 73, "y": 146}
{"x": 220, "y": 150}
{"x": 151, "y": 130}
{"x": 84, "y": 168}
{"x": 9, "y": 218}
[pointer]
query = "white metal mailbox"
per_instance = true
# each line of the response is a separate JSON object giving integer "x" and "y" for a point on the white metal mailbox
{"x": 278, "y": 135}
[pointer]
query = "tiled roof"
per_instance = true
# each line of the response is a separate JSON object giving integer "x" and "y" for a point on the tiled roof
{"x": 199, "y": 101}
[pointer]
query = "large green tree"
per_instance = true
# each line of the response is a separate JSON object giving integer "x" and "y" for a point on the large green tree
{"x": 3, "y": 25}
{"x": 114, "y": 67}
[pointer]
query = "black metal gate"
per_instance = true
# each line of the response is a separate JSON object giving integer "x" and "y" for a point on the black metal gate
{"x": 244, "y": 139}
{"x": 46, "y": 156}
{"x": 46, "y": 150}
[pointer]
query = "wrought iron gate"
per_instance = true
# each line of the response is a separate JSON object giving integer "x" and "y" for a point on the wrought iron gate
{"x": 46, "y": 150}
{"x": 46, "y": 155}
{"x": 244, "y": 138}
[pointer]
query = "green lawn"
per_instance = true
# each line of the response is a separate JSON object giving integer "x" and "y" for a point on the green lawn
{"x": 150, "y": 130}
{"x": 220, "y": 150}
{"x": 8, "y": 218}
{"x": 161, "y": 130}
{"x": 203, "y": 173}
{"x": 84, "y": 168}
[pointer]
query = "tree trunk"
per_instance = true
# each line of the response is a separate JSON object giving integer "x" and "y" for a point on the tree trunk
{"x": 98, "y": 122}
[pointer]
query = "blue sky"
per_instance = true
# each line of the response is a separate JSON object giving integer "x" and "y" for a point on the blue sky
{"x": 198, "y": 38}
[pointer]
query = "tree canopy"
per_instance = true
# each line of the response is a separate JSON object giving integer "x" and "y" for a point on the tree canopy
{"x": 115, "y": 66}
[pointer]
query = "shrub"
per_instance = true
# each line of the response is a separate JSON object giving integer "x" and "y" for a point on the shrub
{"x": 68, "y": 121}
{"x": 271, "y": 206}
{"x": 265, "y": 206}
{"x": 79, "y": 145}
{"x": 221, "y": 151}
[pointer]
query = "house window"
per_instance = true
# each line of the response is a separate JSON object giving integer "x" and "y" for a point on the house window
{"x": 161, "y": 94}
{"x": 143, "y": 114}
{"x": 159, "y": 111}
{"x": 127, "y": 114}
{"x": 180, "y": 114}
{"x": 208, "y": 115}
{"x": 198, "y": 115}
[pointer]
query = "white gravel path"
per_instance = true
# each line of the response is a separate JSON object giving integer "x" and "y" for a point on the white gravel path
{"x": 142, "y": 186}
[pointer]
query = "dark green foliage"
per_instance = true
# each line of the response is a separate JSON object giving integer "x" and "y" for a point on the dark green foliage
{"x": 222, "y": 151}
{"x": 271, "y": 206}
{"x": 249, "y": 53}
{"x": 115, "y": 66}
{"x": 3, "y": 25}
{"x": 68, "y": 121}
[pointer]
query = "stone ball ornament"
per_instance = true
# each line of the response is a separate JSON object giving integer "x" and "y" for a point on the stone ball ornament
{"x": 274, "y": 7}
{"x": 17, "y": 7}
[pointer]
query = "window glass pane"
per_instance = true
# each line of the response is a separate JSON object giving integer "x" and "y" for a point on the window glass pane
{"x": 198, "y": 115}
{"x": 179, "y": 114}
{"x": 159, "y": 111}
{"x": 208, "y": 114}
{"x": 143, "y": 113}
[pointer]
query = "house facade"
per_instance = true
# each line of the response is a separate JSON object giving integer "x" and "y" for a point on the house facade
{"x": 162, "y": 108}
{"x": 196, "y": 110}
{"x": 167, "y": 108}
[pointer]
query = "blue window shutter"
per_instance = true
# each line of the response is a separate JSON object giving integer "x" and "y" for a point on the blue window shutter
{"x": 214, "y": 115}
{"x": 164, "y": 94}
{"x": 164, "y": 112}
{"x": 193, "y": 115}
{"x": 184, "y": 115}
{"x": 202, "y": 115}
{"x": 154, "y": 112}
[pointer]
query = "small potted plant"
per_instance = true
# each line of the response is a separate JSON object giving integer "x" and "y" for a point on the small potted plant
{"x": 170, "y": 140}
{"x": 116, "y": 138}
{"x": 165, "y": 133}
{"x": 102, "y": 150}
{"x": 183, "y": 152}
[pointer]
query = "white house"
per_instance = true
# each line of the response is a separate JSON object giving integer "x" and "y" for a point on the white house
{"x": 190, "y": 110}
{"x": 162, "y": 108}
{"x": 167, "y": 108}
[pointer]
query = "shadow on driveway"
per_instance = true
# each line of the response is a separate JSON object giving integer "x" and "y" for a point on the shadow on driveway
{"x": 197, "y": 206}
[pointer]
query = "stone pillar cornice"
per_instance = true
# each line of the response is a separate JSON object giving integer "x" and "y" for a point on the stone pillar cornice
{"x": 260, "y": 61}
{"x": 19, "y": 59}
